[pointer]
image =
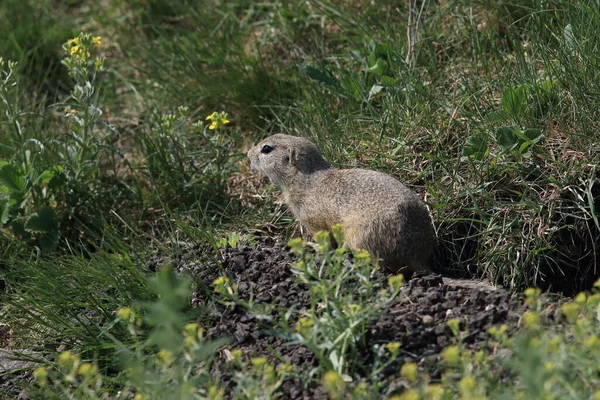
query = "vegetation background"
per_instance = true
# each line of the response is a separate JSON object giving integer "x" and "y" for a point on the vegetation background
{"x": 488, "y": 109}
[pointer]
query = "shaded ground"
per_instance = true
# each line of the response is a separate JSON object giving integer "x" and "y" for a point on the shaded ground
{"x": 417, "y": 318}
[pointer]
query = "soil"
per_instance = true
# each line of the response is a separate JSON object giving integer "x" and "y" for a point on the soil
{"x": 417, "y": 318}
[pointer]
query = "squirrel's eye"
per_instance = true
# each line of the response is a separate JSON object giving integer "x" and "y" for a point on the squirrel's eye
{"x": 266, "y": 149}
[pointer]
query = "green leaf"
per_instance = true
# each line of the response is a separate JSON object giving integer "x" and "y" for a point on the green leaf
{"x": 319, "y": 75}
{"x": 388, "y": 81}
{"x": 376, "y": 91}
{"x": 524, "y": 147}
{"x": 48, "y": 175}
{"x": 569, "y": 37}
{"x": 514, "y": 100}
{"x": 533, "y": 135}
{"x": 506, "y": 137}
{"x": 383, "y": 49}
{"x": 12, "y": 178}
{"x": 371, "y": 59}
{"x": 4, "y": 208}
{"x": 476, "y": 147}
{"x": 58, "y": 180}
{"x": 378, "y": 69}
{"x": 46, "y": 225}
{"x": 18, "y": 227}
{"x": 497, "y": 116}
{"x": 46, "y": 221}
{"x": 48, "y": 242}
{"x": 547, "y": 86}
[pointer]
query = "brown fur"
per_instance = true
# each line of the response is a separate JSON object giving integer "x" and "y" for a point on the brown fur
{"x": 379, "y": 214}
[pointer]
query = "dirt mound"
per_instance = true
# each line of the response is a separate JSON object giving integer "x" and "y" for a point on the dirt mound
{"x": 417, "y": 318}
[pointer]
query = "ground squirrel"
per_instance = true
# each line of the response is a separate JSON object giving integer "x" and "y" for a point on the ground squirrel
{"x": 379, "y": 214}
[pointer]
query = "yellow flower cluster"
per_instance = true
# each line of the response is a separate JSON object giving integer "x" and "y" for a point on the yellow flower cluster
{"x": 454, "y": 325}
{"x": 217, "y": 120}
{"x": 79, "y": 47}
{"x": 192, "y": 334}
{"x": 304, "y": 326}
{"x": 223, "y": 286}
{"x": 362, "y": 257}
{"x": 409, "y": 371}
{"x": 393, "y": 348}
{"x": 297, "y": 246}
{"x": 334, "y": 383}
{"x": 74, "y": 369}
{"x": 395, "y": 282}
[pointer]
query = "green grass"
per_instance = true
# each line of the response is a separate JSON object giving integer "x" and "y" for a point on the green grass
{"x": 488, "y": 109}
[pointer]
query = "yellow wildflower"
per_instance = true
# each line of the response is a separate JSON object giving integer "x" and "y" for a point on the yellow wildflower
{"x": 125, "y": 313}
{"x": 190, "y": 329}
{"x": 258, "y": 363}
{"x": 554, "y": 344}
{"x": 498, "y": 333}
{"x": 531, "y": 320}
{"x": 594, "y": 300}
{"x": 409, "y": 371}
{"x": 74, "y": 49}
{"x": 99, "y": 64}
{"x": 96, "y": 40}
{"x": 215, "y": 393}
{"x": 393, "y": 348}
{"x": 217, "y": 120}
{"x": 73, "y": 42}
{"x": 304, "y": 326}
{"x": 322, "y": 239}
{"x": 87, "y": 369}
{"x": 434, "y": 391}
{"x": 451, "y": 355}
{"x": 581, "y": 298}
{"x": 592, "y": 342}
{"x": 296, "y": 246}
{"x": 220, "y": 283}
{"x": 454, "y": 325}
{"x": 301, "y": 266}
{"x": 334, "y": 383}
{"x": 410, "y": 394}
{"x": 190, "y": 342}
{"x": 535, "y": 342}
{"x": 285, "y": 369}
{"x": 269, "y": 375}
{"x": 467, "y": 386}
{"x": 236, "y": 355}
{"x": 362, "y": 257}
{"x": 395, "y": 282}
{"x": 531, "y": 295}
{"x": 68, "y": 360}
{"x": 352, "y": 309}
{"x": 164, "y": 357}
{"x": 570, "y": 310}
{"x": 549, "y": 366}
{"x": 338, "y": 233}
{"x": 41, "y": 376}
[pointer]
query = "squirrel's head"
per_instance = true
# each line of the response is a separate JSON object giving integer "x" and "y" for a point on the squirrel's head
{"x": 285, "y": 159}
